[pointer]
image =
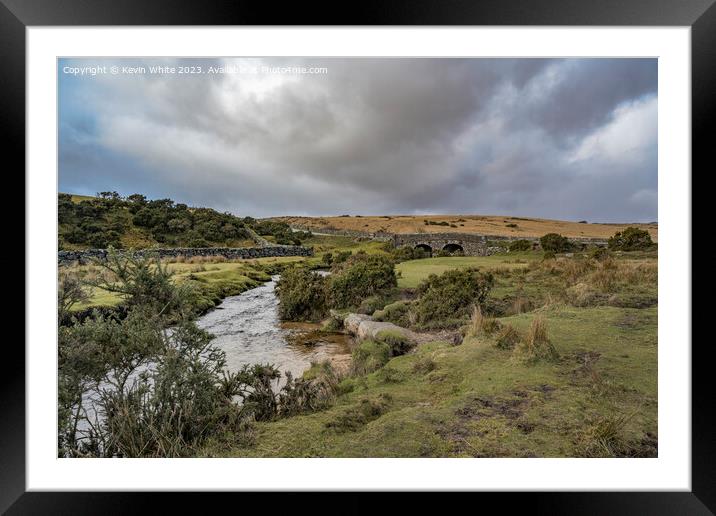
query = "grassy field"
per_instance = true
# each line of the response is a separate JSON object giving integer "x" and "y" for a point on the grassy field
{"x": 474, "y": 400}
{"x": 414, "y": 271}
{"x": 485, "y": 225}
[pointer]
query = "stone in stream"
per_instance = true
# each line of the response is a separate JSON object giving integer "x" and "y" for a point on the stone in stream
{"x": 364, "y": 327}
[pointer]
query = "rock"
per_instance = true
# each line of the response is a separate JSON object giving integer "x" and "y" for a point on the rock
{"x": 351, "y": 322}
{"x": 364, "y": 327}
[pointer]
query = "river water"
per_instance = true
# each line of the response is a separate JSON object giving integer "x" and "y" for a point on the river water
{"x": 247, "y": 328}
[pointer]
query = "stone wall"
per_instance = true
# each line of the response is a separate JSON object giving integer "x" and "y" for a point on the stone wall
{"x": 66, "y": 257}
{"x": 383, "y": 237}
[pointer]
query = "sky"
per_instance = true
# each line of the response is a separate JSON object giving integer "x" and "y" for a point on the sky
{"x": 572, "y": 139}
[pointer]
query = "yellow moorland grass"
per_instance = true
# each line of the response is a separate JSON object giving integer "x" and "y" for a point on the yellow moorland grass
{"x": 480, "y": 224}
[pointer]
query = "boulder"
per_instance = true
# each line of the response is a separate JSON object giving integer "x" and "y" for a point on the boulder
{"x": 364, "y": 327}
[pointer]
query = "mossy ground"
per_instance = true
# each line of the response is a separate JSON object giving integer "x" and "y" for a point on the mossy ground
{"x": 475, "y": 401}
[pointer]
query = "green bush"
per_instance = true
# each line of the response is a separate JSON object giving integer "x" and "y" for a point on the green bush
{"x": 520, "y": 245}
{"x": 405, "y": 253}
{"x": 370, "y": 356}
{"x": 301, "y": 295}
{"x": 398, "y": 313}
{"x": 449, "y": 297}
{"x": 599, "y": 253}
{"x": 361, "y": 276}
{"x": 631, "y": 239}
{"x": 555, "y": 243}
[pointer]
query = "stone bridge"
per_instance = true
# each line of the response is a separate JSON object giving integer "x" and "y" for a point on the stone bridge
{"x": 469, "y": 244}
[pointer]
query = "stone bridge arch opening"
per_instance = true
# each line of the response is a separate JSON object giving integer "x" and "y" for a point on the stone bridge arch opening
{"x": 453, "y": 248}
{"x": 425, "y": 248}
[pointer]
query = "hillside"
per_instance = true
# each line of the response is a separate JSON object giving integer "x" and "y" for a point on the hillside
{"x": 139, "y": 223}
{"x": 517, "y": 227}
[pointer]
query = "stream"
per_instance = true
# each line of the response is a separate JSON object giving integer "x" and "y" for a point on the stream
{"x": 247, "y": 328}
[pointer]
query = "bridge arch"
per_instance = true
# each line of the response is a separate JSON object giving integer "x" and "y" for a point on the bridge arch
{"x": 453, "y": 248}
{"x": 425, "y": 248}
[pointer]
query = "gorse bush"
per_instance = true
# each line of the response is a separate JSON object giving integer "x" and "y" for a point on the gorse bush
{"x": 450, "y": 296}
{"x": 555, "y": 243}
{"x": 631, "y": 239}
{"x": 359, "y": 277}
{"x": 520, "y": 245}
{"x": 398, "y": 313}
{"x": 302, "y": 295}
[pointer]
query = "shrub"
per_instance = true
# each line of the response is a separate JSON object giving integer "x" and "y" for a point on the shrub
{"x": 548, "y": 255}
{"x": 449, "y": 297}
{"x": 631, "y": 239}
{"x": 555, "y": 243}
{"x": 341, "y": 256}
{"x": 370, "y": 304}
{"x": 599, "y": 253}
{"x": 301, "y": 295}
{"x": 360, "y": 277}
{"x": 370, "y": 356}
{"x": 405, "y": 253}
{"x": 536, "y": 345}
{"x": 327, "y": 259}
{"x": 398, "y": 313}
{"x": 520, "y": 245}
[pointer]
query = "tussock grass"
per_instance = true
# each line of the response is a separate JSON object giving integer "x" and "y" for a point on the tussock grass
{"x": 536, "y": 345}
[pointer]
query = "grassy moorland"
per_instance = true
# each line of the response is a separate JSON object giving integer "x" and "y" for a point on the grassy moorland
{"x": 516, "y": 227}
{"x": 522, "y": 354}
{"x": 475, "y": 400}
{"x": 492, "y": 395}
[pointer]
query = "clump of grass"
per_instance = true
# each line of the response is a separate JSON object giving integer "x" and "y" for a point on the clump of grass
{"x": 507, "y": 338}
{"x": 520, "y": 305}
{"x": 536, "y": 344}
{"x": 397, "y": 342}
{"x": 424, "y": 365}
{"x": 481, "y": 324}
{"x": 332, "y": 324}
{"x": 369, "y": 356}
{"x": 389, "y": 375}
{"x": 604, "y": 438}
{"x": 357, "y": 416}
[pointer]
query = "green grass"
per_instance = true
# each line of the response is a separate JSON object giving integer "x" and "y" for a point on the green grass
{"x": 476, "y": 401}
{"x": 414, "y": 271}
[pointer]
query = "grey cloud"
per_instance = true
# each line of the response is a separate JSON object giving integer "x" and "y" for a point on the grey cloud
{"x": 376, "y": 136}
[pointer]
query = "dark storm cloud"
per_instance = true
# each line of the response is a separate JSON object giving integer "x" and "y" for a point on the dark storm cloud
{"x": 554, "y": 138}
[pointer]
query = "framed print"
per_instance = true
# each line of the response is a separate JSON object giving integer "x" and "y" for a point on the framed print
{"x": 416, "y": 250}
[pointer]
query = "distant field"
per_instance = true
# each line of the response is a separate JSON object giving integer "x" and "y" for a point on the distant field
{"x": 484, "y": 225}
{"x": 414, "y": 271}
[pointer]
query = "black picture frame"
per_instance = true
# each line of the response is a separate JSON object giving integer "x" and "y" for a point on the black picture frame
{"x": 700, "y": 15}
